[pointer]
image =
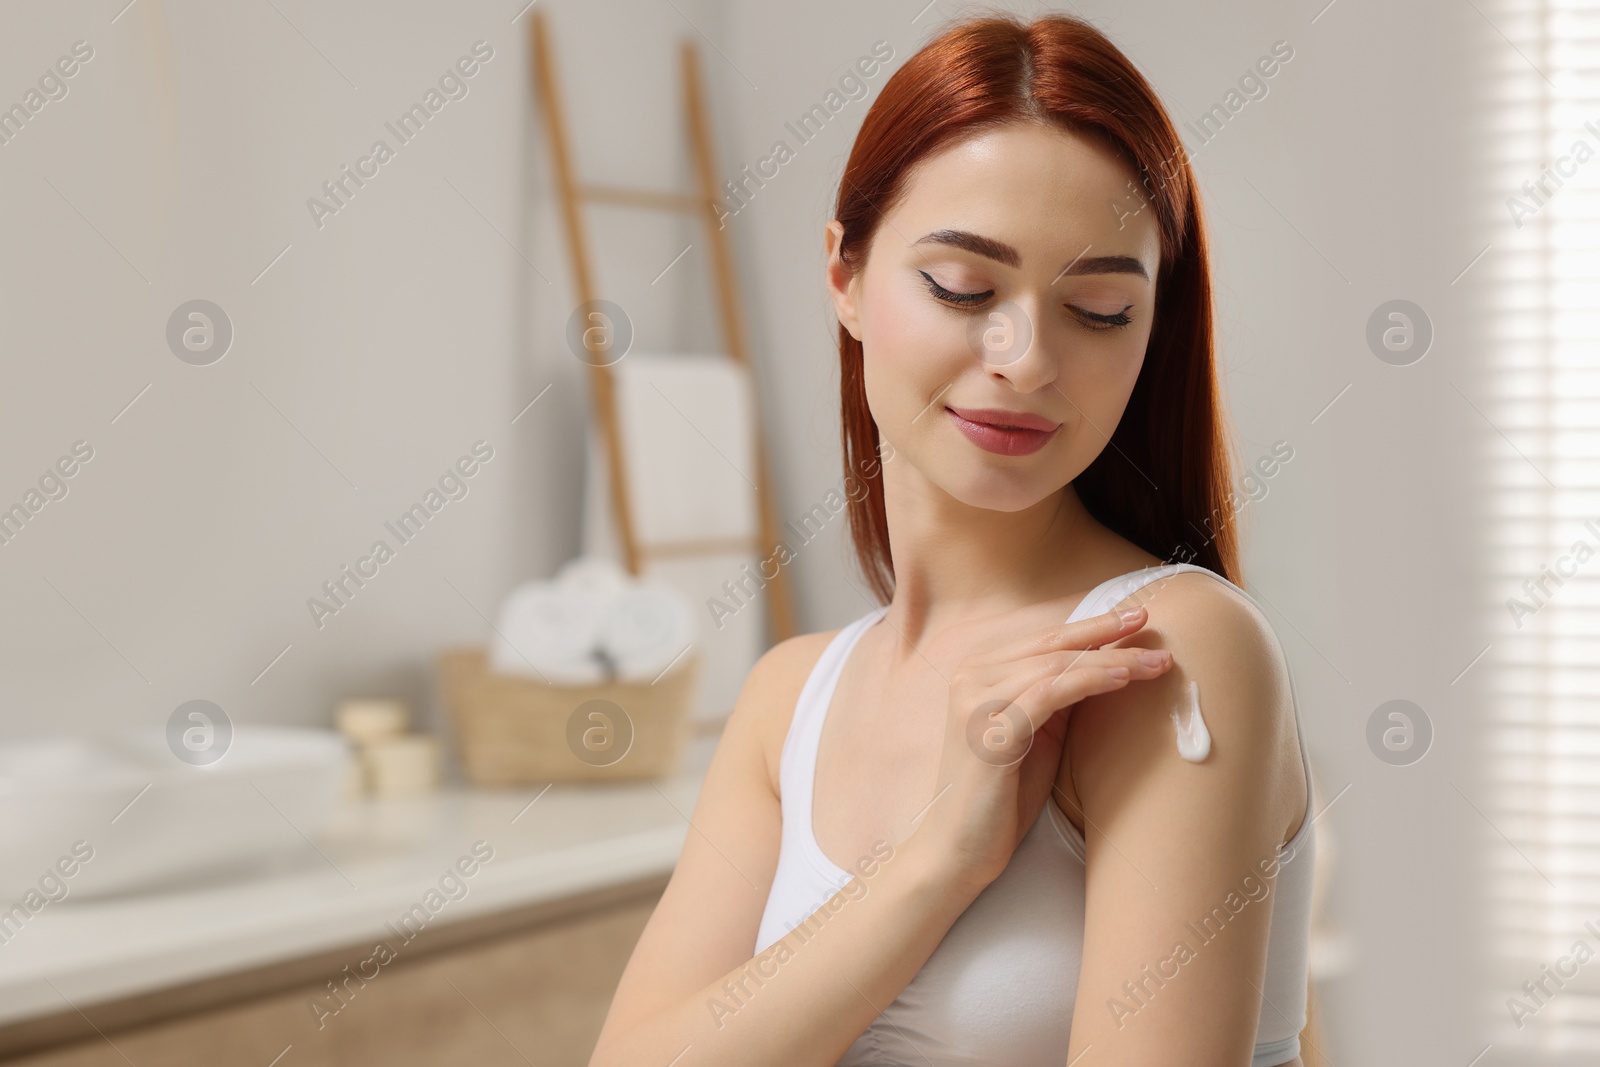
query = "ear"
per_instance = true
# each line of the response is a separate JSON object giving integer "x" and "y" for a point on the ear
{"x": 841, "y": 281}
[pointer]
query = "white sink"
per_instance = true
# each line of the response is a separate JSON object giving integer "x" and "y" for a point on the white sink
{"x": 266, "y": 798}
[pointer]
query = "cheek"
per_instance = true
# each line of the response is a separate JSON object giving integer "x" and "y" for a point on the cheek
{"x": 1095, "y": 372}
{"x": 1102, "y": 374}
{"x": 1099, "y": 385}
{"x": 913, "y": 351}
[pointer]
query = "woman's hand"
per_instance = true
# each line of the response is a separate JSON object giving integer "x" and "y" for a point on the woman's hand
{"x": 1004, "y": 730}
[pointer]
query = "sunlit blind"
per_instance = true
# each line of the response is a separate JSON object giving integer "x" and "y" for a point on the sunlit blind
{"x": 1543, "y": 275}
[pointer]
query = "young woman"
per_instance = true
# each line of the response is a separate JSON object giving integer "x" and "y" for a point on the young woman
{"x": 1051, "y": 796}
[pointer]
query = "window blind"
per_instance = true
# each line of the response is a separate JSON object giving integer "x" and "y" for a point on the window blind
{"x": 1543, "y": 395}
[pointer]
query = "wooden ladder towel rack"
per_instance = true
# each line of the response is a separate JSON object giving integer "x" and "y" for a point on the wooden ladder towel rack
{"x": 573, "y": 194}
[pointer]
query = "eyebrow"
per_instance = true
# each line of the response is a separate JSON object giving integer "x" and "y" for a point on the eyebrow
{"x": 1001, "y": 252}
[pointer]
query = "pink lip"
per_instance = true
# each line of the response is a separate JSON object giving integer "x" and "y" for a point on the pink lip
{"x": 1032, "y": 432}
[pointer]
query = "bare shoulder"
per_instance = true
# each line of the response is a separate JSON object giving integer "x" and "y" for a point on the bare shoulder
{"x": 1213, "y": 618}
{"x": 1224, "y": 651}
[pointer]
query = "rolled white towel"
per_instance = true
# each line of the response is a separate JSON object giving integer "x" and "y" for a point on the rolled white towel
{"x": 645, "y": 628}
{"x": 550, "y": 631}
{"x": 595, "y": 575}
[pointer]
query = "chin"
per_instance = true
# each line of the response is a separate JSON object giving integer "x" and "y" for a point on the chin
{"x": 996, "y": 491}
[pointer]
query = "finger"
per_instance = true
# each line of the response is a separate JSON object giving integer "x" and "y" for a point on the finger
{"x": 1012, "y": 678}
{"x": 1088, "y": 633}
{"x": 1141, "y": 663}
{"x": 1001, "y": 731}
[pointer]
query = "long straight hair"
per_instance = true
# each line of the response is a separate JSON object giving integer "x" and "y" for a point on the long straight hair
{"x": 1164, "y": 480}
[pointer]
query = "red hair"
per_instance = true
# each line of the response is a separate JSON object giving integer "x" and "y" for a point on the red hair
{"x": 1164, "y": 481}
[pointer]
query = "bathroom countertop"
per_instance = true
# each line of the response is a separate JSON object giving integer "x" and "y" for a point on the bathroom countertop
{"x": 374, "y": 861}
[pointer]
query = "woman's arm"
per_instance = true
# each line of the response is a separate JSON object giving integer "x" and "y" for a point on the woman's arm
{"x": 692, "y": 987}
{"x": 1181, "y": 856}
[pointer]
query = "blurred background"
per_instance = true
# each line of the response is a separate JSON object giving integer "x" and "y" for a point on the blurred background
{"x": 267, "y": 790}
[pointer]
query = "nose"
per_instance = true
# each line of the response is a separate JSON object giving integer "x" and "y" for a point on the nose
{"x": 1011, "y": 346}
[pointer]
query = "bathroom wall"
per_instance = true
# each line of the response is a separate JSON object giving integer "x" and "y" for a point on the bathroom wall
{"x": 376, "y": 338}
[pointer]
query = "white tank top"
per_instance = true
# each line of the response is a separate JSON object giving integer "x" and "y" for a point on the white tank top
{"x": 999, "y": 989}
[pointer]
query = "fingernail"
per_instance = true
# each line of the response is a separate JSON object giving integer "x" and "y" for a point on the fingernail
{"x": 1152, "y": 658}
{"x": 1128, "y": 615}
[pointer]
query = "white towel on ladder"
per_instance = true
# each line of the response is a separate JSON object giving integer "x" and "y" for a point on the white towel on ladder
{"x": 687, "y": 426}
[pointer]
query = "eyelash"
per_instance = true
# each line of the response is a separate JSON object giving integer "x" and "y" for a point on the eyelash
{"x": 967, "y": 300}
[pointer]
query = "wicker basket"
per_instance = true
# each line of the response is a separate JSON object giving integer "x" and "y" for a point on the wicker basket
{"x": 512, "y": 730}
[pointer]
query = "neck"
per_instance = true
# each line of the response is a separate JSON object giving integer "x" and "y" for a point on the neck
{"x": 953, "y": 561}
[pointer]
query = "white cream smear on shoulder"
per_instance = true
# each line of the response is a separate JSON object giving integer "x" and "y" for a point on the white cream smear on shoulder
{"x": 1194, "y": 740}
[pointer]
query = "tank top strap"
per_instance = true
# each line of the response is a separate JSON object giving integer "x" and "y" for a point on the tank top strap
{"x": 797, "y": 765}
{"x": 1111, "y": 592}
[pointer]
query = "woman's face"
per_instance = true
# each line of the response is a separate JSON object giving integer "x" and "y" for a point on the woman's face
{"x": 1016, "y": 274}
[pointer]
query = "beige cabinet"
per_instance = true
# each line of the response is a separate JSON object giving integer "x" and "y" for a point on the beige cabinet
{"x": 527, "y": 987}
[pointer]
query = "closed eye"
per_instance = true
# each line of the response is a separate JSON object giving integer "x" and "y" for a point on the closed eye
{"x": 958, "y": 299}
{"x": 1090, "y": 319}
{"x": 1107, "y": 322}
